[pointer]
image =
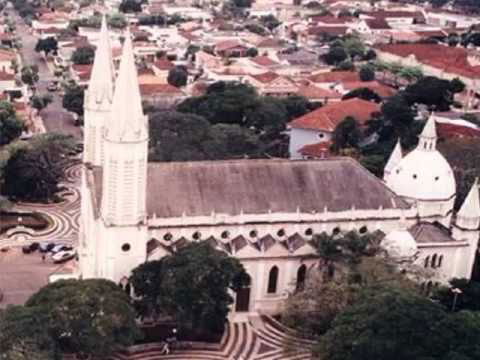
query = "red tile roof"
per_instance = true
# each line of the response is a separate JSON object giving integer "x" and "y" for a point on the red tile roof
{"x": 314, "y": 92}
{"x": 319, "y": 150}
{"x": 163, "y": 64}
{"x": 4, "y": 76}
{"x": 228, "y": 44}
{"x": 335, "y": 76}
{"x": 152, "y": 89}
{"x": 266, "y": 77}
{"x": 330, "y": 30}
{"x": 451, "y": 130}
{"x": 329, "y": 116}
{"x": 263, "y": 61}
{"x": 377, "y": 24}
{"x": 450, "y": 59}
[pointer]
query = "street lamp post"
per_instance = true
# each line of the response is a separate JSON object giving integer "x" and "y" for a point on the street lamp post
{"x": 456, "y": 292}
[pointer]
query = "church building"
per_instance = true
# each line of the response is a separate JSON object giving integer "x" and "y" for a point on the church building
{"x": 263, "y": 212}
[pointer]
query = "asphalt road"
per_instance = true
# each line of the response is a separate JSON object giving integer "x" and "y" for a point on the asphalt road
{"x": 55, "y": 118}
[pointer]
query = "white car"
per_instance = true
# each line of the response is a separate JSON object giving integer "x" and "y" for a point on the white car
{"x": 60, "y": 247}
{"x": 63, "y": 256}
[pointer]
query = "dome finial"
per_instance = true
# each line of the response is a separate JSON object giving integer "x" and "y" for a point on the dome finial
{"x": 428, "y": 137}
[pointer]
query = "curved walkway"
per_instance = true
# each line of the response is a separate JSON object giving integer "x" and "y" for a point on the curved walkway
{"x": 263, "y": 339}
{"x": 65, "y": 216}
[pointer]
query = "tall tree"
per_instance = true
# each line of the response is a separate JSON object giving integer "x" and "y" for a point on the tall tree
{"x": 73, "y": 99}
{"x": 10, "y": 126}
{"x": 89, "y": 317}
{"x": 178, "y": 76}
{"x": 193, "y": 284}
{"x": 35, "y": 169}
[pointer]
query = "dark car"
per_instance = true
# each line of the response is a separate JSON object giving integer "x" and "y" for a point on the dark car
{"x": 27, "y": 249}
{"x": 46, "y": 247}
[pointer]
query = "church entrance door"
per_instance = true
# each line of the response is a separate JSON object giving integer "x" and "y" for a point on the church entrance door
{"x": 243, "y": 299}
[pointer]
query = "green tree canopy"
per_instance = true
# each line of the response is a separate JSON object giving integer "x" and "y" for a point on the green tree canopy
{"x": 90, "y": 317}
{"x": 73, "y": 99}
{"x": 47, "y": 45}
{"x": 130, "y": 6}
{"x": 10, "y": 126}
{"x": 34, "y": 170}
{"x": 364, "y": 94}
{"x": 192, "y": 285}
{"x": 388, "y": 323}
{"x": 83, "y": 55}
{"x": 367, "y": 73}
{"x": 29, "y": 74}
{"x": 469, "y": 299}
{"x": 346, "y": 134}
{"x": 178, "y": 76}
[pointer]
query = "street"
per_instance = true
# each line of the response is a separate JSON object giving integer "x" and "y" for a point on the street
{"x": 55, "y": 118}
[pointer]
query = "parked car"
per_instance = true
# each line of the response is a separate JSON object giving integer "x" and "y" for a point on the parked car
{"x": 60, "y": 247}
{"x": 52, "y": 86}
{"x": 46, "y": 247}
{"x": 27, "y": 249}
{"x": 63, "y": 256}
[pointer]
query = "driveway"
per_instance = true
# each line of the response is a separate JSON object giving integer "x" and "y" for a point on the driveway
{"x": 22, "y": 275}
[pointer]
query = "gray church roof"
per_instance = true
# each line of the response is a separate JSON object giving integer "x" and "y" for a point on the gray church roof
{"x": 259, "y": 186}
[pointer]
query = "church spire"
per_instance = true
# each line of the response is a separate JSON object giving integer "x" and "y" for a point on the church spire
{"x": 469, "y": 214}
{"x": 98, "y": 99}
{"x": 428, "y": 138}
{"x": 394, "y": 159}
{"x": 100, "y": 87}
{"x": 127, "y": 121}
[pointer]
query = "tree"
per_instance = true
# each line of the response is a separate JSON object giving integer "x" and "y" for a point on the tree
{"x": 346, "y": 134}
{"x": 130, "y": 6}
{"x": 268, "y": 116}
{"x": 193, "y": 284}
{"x": 34, "y": 170}
{"x": 345, "y": 65}
{"x": 23, "y": 335}
{"x": 469, "y": 299}
{"x": 370, "y": 55}
{"x": 366, "y": 73}
{"x": 83, "y": 55}
{"x": 29, "y": 74}
{"x": 431, "y": 91}
{"x": 178, "y": 76}
{"x": 73, "y": 99}
{"x": 10, "y": 126}
{"x": 223, "y": 102}
{"x": 242, "y": 3}
{"x": 176, "y": 136}
{"x": 89, "y": 317}
{"x": 41, "y": 102}
{"x": 389, "y": 323}
{"x": 231, "y": 141}
{"x": 270, "y": 22}
{"x": 335, "y": 55}
{"x": 457, "y": 85}
{"x": 252, "y": 52}
{"x": 363, "y": 93}
{"x": 47, "y": 45}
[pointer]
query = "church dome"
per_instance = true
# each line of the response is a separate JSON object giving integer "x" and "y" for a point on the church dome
{"x": 423, "y": 174}
{"x": 400, "y": 244}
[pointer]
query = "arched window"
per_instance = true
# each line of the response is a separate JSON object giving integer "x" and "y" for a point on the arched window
{"x": 440, "y": 260}
{"x": 301, "y": 275}
{"x": 427, "y": 261}
{"x": 433, "y": 263}
{"x": 272, "y": 280}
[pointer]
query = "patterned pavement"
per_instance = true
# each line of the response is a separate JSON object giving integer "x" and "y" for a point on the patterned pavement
{"x": 64, "y": 216}
{"x": 259, "y": 339}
